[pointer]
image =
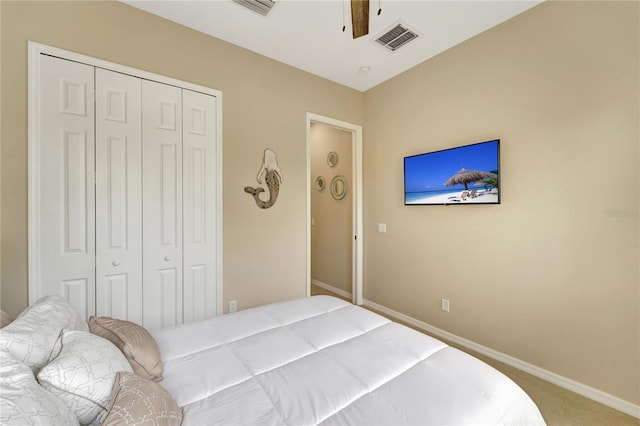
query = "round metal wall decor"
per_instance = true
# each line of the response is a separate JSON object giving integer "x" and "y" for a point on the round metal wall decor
{"x": 338, "y": 187}
{"x": 332, "y": 159}
{"x": 321, "y": 184}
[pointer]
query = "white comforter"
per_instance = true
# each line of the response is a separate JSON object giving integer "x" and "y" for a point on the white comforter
{"x": 322, "y": 360}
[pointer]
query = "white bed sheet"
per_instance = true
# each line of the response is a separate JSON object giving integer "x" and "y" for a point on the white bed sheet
{"x": 321, "y": 360}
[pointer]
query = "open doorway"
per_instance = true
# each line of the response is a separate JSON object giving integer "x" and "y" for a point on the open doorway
{"x": 334, "y": 207}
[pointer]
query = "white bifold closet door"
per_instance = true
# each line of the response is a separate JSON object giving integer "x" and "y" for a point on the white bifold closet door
{"x": 199, "y": 159}
{"x": 126, "y": 194}
{"x": 66, "y": 196}
{"x": 162, "y": 204}
{"x": 178, "y": 220}
{"x": 118, "y": 196}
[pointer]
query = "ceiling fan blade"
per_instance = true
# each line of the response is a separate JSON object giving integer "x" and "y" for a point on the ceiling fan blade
{"x": 360, "y": 17}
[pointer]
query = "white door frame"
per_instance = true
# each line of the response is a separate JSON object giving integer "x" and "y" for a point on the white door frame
{"x": 34, "y": 52}
{"x": 356, "y": 138}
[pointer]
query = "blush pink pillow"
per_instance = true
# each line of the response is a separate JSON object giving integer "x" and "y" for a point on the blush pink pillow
{"x": 135, "y": 342}
{"x": 137, "y": 401}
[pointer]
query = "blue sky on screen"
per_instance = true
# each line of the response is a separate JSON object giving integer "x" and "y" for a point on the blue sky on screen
{"x": 428, "y": 172}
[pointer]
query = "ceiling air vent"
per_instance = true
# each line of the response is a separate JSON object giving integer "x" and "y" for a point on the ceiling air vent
{"x": 263, "y": 7}
{"x": 396, "y": 37}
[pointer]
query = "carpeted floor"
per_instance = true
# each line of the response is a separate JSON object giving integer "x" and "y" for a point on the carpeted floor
{"x": 558, "y": 406}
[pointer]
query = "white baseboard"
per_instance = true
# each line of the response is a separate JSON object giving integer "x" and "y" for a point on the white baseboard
{"x": 579, "y": 388}
{"x": 332, "y": 289}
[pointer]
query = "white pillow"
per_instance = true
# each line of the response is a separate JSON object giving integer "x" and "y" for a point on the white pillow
{"x": 31, "y": 338}
{"x": 83, "y": 374}
{"x": 23, "y": 401}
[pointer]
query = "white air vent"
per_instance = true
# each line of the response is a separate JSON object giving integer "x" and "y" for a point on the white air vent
{"x": 396, "y": 37}
{"x": 263, "y": 7}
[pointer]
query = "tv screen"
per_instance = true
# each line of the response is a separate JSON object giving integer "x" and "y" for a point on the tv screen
{"x": 467, "y": 174}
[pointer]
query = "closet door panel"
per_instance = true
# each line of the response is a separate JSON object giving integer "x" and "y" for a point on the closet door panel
{"x": 162, "y": 204}
{"x": 199, "y": 216}
{"x": 118, "y": 196}
{"x": 66, "y": 221}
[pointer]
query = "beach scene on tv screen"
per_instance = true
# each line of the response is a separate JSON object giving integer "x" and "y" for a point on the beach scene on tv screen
{"x": 466, "y": 174}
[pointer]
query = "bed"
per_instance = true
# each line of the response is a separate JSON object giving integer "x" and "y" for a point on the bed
{"x": 320, "y": 360}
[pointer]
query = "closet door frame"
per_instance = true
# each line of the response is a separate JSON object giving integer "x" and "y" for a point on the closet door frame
{"x": 35, "y": 50}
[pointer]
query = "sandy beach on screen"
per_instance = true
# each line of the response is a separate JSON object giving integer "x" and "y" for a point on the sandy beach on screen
{"x": 481, "y": 197}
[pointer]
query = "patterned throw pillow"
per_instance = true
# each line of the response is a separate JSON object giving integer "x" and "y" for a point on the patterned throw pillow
{"x": 137, "y": 401}
{"x": 24, "y": 402}
{"x": 31, "y": 338}
{"x": 83, "y": 374}
{"x": 134, "y": 341}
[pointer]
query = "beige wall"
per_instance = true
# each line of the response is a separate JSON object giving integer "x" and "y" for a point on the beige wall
{"x": 551, "y": 275}
{"x": 264, "y": 105}
{"x": 332, "y": 233}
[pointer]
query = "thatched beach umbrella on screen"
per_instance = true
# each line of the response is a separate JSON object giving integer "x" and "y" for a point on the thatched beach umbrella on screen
{"x": 468, "y": 176}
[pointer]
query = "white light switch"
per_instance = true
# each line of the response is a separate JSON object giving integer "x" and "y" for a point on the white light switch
{"x": 382, "y": 227}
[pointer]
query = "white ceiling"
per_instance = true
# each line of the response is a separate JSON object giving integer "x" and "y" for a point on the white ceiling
{"x": 307, "y": 34}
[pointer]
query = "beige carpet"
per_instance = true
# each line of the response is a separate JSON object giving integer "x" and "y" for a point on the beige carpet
{"x": 558, "y": 406}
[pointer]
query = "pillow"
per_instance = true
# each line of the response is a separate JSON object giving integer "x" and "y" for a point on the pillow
{"x": 136, "y": 401}
{"x": 82, "y": 375}
{"x": 5, "y": 319}
{"x": 23, "y": 401}
{"x": 31, "y": 338}
{"x": 134, "y": 341}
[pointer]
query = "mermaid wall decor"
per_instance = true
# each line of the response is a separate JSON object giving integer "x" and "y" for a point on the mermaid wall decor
{"x": 270, "y": 172}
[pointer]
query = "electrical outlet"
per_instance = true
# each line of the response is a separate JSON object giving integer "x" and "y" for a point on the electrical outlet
{"x": 382, "y": 227}
{"x": 445, "y": 305}
{"x": 233, "y": 306}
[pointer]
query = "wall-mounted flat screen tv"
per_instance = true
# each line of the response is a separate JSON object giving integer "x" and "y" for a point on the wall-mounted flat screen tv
{"x": 467, "y": 174}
